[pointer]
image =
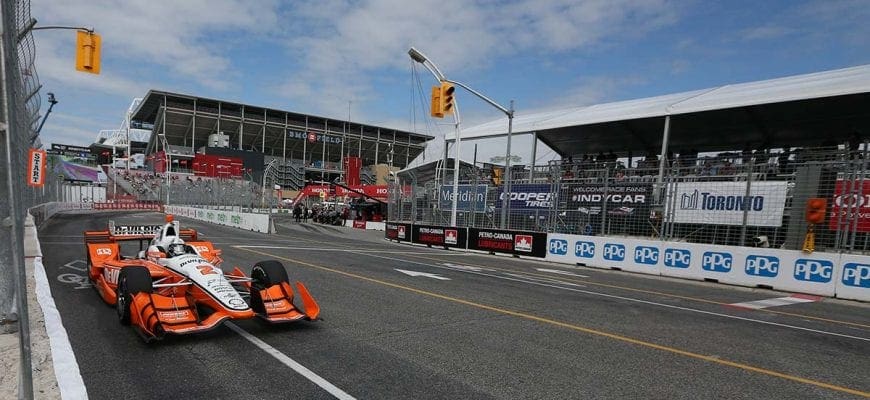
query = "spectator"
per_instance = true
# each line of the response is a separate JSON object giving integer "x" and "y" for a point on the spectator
{"x": 782, "y": 160}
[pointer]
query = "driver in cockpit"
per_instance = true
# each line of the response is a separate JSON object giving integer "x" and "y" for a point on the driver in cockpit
{"x": 176, "y": 249}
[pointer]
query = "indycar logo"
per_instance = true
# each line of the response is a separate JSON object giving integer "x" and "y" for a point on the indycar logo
{"x": 201, "y": 249}
{"x": 102, "y": 251}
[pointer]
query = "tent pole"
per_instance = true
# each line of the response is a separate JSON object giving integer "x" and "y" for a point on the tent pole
{"x": 659, "y": 189}
{"x": 534, "y": 156}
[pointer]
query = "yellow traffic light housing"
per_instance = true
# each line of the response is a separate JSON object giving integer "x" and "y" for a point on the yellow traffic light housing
{"x": 88, "y": 52}
{"x": 447, "y": 90}
{"x": 435, "y": 106}
{"x": 497, "y": 175}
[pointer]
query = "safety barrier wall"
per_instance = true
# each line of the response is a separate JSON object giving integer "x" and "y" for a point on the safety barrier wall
{"x": 43, "y": 212}
{"x": 826, "y": 274}
{"x": 247, "y": 221}
{"x": 519, "y": 243}
{"x": 432, "y": 235}
{"x": 368, "y": 225}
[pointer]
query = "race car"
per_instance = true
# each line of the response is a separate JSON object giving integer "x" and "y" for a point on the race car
{"x": 176, "y": 285}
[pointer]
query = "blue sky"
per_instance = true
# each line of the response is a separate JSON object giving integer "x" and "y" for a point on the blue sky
{"x": 319, "y": 57}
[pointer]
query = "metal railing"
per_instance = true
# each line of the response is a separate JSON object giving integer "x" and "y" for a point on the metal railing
{"x": 19, "y": 119}
{"x": 755, "y": 199}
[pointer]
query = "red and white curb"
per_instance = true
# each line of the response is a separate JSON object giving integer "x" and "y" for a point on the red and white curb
{"x": 777, "y": 302}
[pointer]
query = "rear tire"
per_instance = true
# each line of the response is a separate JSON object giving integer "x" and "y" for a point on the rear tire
{"x": 131, "y": 280}
{"x": 263, "y": 275}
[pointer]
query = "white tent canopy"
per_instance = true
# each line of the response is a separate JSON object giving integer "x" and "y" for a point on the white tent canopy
{"x": 793, "y": 110}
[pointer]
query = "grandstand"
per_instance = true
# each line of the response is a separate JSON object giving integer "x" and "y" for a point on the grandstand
{"x": 683, "y": 166}
{"x": 216, "y": 138}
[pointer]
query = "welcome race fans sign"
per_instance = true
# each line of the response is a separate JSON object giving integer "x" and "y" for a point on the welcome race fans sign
{"x": 631, "y": 201}
{"x": 723, "y": 203}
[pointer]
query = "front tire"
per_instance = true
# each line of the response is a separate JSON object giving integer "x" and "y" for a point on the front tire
{"x": 265, "y": 274}
{"x": 131, "y": 280}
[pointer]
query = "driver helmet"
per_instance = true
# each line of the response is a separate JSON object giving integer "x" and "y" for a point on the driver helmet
{"x": 176, "y": 248}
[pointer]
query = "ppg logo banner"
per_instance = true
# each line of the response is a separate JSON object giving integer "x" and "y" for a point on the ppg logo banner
{"x": 468, "y": 198}
{"x": 724, "y": 203}
{"x": 828, "y": 274}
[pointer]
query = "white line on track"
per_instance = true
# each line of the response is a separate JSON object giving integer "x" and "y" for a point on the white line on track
{"x": 284, "y": 359}
{"x": 631, "y": 299}
{"x": 776, "y": 302}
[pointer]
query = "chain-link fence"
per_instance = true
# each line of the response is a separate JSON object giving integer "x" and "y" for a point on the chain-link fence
{"x": 19, "y": 119}
{"x": 739, "y": 198}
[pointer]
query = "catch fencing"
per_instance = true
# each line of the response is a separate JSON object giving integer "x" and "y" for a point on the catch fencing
{"x": 19, "y": 123}
{"x": 744, "y": 198}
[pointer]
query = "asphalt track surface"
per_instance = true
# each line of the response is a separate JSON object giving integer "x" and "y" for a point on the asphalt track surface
{"x": 496, "y": 327}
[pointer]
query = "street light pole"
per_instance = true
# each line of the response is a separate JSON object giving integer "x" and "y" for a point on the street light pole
{"x": 506, "y": 193}
{"x": 421, "y": 58}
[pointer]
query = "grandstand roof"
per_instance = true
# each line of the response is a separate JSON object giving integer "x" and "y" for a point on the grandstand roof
{"x": 189, "y": 120}
{"x": 799, "y": 110}
{"x": 427, "y": 172}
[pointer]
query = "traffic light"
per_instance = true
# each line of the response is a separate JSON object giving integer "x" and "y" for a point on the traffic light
{"x": 815, "y": 213}
{"x": 88, "y": 52}
{"x": 497, "y": 175}
{"x": 447, "y": 90}
{"x": 435, "y": 106}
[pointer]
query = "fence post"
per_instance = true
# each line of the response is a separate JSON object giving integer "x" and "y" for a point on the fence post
{"x": 604, "y": 198}
{"x": 862, "y": 171}
{"x": 746, "y": 201}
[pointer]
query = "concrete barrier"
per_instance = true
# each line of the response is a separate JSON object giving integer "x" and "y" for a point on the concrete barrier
{"x": 827, "y": 274}
{"x": 247, "y": 221}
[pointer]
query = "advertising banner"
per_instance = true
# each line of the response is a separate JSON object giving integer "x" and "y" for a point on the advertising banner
{"x": 439, "y": 235}
{"x": 36, "y": 168}
{"x": 630, "y": 201}
{"x": 512, "y": 242}
{"x": 850, "y": 200}
{"x": 468, "y": 197}
{"x": 397, "y": 231}
{"x": 723, "y": 203}
{"x": 787, "y": 270}
{"x": 527, "y": 197}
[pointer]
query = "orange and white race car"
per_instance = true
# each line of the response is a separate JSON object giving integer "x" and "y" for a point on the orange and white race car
{"x": 176, "y": 286}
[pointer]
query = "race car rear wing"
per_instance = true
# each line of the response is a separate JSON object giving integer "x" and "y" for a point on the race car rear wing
{"x": 116, "y": 233}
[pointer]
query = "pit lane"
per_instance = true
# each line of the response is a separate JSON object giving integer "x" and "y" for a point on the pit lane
{"x": 498, "y": 328}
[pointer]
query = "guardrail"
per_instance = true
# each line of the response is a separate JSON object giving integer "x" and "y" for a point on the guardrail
{"x": 839, "y": 275}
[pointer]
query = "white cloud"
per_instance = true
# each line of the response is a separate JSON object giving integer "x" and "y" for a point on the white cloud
{"x": 460, "y": 35}
{"x": 765, "y": 32}
{"x": 174, "y": 35}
